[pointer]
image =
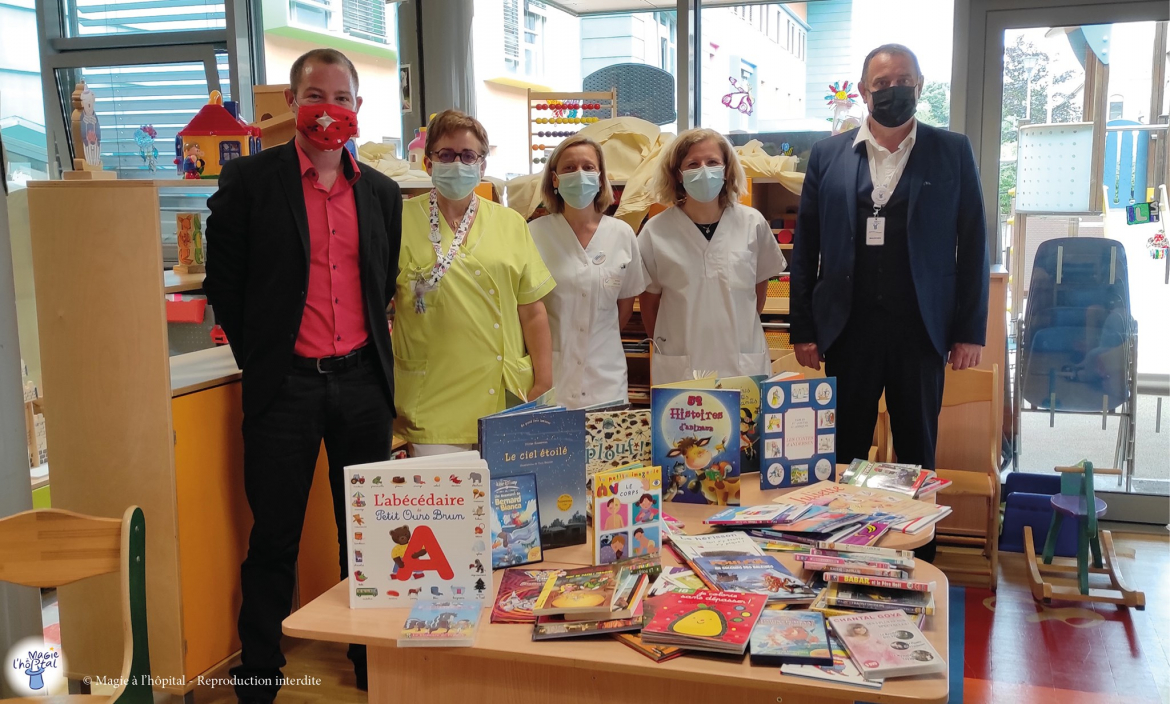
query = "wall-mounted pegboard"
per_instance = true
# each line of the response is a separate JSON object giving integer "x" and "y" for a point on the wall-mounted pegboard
{"x": 1054, "y": 168}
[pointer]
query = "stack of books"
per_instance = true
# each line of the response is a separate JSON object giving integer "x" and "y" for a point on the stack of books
{"x": 733, "y": 562}
{"x": 900, "y": 512}
{"x": 593, "y": 600}
{"x": 909, "y": 479}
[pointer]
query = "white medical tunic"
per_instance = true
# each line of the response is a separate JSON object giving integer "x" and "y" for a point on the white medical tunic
{"x": 589, "y": 364}
{"x": 707, "y": 320}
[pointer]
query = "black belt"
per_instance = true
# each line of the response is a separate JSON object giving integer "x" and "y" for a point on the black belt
{"x": 329, "y": 365}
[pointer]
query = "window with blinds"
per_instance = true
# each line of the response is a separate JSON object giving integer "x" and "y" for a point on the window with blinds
{"x": 512, "y": 34}
{"x": 102, "y": 17}
{"x": 365, "y": 19}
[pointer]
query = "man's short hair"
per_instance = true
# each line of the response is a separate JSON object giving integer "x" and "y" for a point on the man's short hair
{"x": 893, "y": 50}
{"x": 328, "y": 57}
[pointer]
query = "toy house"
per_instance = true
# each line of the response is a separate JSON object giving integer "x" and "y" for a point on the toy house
{"x": 213, "y": 137}
{"x": 274, "y": 119}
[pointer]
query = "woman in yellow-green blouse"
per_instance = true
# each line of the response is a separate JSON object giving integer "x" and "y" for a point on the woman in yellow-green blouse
{"x": 469, "y": 323}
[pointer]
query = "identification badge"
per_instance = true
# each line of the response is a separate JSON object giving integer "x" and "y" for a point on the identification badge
{"x": 875, "y": 231}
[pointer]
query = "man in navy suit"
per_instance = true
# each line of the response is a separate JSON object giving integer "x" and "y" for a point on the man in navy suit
{"x": 890, "y": 264}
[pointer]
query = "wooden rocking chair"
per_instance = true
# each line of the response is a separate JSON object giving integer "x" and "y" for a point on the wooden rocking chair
{"x": 1077, "y": 500}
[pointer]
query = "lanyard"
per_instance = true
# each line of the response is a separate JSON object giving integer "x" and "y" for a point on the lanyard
{"x": 430, "y": 282}
{"x": 882, "y": 191}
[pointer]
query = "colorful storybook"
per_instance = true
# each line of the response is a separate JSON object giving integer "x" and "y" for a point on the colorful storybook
{"x": 550, "y": 443}
{"x": 720, "y": 622}
{"x": 554, "y": 627}
{"x": 800, "y": 431}
{"x": 842, "y": 671}
{"x": 440, "y": 624}
{"x": 754, "y": 575}
{"x": 750, "y": 440}
{"x": 583, "y": 593}
{"x": 418, "y": 528}
{"x": 518, "y": 591}
{"x": 856, "y": 596}
{"x": 790, "y": 637}
{"x": 616, "y": 438}
{"x": 627, "y": 513}
{"x": 887, "y": 644}
{"x": 904, "y": 514}
{"x": 696, "y": 441}
{"x": 515, "y": 521}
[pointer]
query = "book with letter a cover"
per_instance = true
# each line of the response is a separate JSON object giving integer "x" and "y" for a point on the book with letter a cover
{"x": 800, "y": 431}
{"x": 418, "y": 529}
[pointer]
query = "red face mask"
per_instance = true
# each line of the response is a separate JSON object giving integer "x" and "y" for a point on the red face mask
{"x": 327, "y": 126}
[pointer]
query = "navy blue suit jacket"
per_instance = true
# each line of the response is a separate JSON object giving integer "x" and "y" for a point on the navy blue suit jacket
{"x": 947, "y": 238}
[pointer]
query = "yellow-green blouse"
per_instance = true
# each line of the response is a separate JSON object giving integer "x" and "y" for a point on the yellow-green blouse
{"x": 453, "y": 362}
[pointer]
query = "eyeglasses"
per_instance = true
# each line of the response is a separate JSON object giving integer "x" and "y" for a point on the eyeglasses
{"x": 467, "y": 156}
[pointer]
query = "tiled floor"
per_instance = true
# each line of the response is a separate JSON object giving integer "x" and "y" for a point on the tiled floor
{"x": 1016, "y": 651}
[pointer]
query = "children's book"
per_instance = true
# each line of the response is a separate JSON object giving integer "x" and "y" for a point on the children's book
{"x": 627, "y": 513}
{"x": 696, "y": 441}
{"x": 418, "y": 528}
{"x": 855, "y": 596}
{"x": 733, "y": 544}
{"x": 549, "y": 443}
{"x": 582, "y": 593}
{"x": 754, "y": 575}
{"x": 518, "y": 591}
{"x": 440, "y": 624}
{"x": 899, "y": 558}
{"x": 720, "y": 622}
{"x": 616, "y": 438}
{"x": 882, "y": 582}
{"x": 790, "y": 637}
{"x": 816, "y": 564}
{"x": 800, "y": 431}
{"x": 766, "y": 515}
{"x": 867, "y": 534}
{"x": 820, "y": 520}
{"x": 904, "y": 514}
{"x": 657, "y": 653}
{"x": 554, "y": 627}
{"x": 842, "y": 671}
{"x": 515, "y": 521}
{"x": 905, "y": 479}
{"x": 750, "y": 439}
{"x": 887, "y": 644}
{"x": 679, "y": 580}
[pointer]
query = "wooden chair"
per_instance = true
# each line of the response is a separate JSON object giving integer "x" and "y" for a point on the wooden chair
{"x": 967, "y": 453}
{"x": 881, "y": 437}
{"x": 1078, "y": 500}
{"x": 50, "y": 547}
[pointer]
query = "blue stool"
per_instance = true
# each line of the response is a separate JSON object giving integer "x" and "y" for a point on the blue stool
{"x": 1078, "y": 501}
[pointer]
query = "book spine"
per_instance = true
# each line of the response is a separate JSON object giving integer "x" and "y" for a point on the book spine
{"x": 838, "y": 560}
{"x": 866, "y": 605}
{"x": 872, "y": 581}
{"x": 888, "y": 553}
{"x": 886, "y": 572}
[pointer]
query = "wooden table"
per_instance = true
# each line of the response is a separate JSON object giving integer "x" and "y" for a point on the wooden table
{"x": 506, "y": 666}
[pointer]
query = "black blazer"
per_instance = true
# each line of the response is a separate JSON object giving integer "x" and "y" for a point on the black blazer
{"x": 947, "y": 237}
{"x": 258, "y": 264}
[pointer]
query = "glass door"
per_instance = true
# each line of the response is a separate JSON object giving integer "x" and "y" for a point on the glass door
{"x": 1081, "y": 210}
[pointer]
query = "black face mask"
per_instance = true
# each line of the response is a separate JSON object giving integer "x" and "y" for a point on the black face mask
{"x": 894, "y": 106}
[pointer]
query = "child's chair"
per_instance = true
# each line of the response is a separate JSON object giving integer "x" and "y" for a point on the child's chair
{"x": 1078, "y": 500}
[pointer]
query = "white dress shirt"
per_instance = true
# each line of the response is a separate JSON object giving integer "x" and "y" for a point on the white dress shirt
{"x": 884, "y": 164}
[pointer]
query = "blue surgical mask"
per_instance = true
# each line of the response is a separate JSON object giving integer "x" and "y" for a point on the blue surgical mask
{"x": 456, "y": 180}
{"x": 704, "y": 184}
{"x": 579, "y": 188}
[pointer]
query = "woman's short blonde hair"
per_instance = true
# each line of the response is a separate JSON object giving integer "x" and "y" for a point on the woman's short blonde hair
{"x": 668, "y": 186}
{"x": 449, "y": 122}
{"x": 553, "y": 202}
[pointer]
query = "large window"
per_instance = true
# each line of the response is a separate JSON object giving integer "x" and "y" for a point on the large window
{"x": 768, "y": 68}
{"x": 365, "y": 30}
{"x": 22, "y": 113}
{"x": 98, "y": 17}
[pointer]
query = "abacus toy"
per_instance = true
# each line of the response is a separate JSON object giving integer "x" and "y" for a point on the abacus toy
{"x": 573, "y": 110}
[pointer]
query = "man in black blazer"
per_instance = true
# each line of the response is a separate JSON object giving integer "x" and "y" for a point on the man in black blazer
{"x": 890, "y": 264}
{"x": 302, "y": 261}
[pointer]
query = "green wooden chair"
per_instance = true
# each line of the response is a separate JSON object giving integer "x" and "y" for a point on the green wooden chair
{"x": 1095, "y": 555}
{"x": 50, "y": 547}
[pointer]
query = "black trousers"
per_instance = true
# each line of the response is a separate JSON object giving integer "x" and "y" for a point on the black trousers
{"x": 350, "y": 411}
{"x": 880, "y": 352}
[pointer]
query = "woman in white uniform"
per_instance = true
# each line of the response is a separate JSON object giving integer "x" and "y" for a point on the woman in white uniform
{"x": 708, "y": 260}
{"x": 595, "y": 261}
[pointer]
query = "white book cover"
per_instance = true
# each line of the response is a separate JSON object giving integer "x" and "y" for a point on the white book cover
{"x": 887, "y": 644}
{"x": 418, "y": 529}
{"x": 716, "y": 545}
